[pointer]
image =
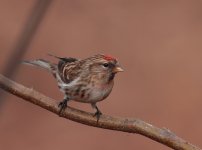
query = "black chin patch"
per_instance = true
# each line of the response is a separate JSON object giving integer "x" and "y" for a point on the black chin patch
{"x": 111, "y": 77}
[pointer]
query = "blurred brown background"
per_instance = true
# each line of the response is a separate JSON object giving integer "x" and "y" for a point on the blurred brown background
{"x": 159, "y": 45}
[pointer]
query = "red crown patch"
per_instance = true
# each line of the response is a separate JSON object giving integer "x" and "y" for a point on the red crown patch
{"x": 109, "y": 58}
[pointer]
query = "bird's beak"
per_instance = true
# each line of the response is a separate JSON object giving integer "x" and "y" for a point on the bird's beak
{"x": 117, "y": 69}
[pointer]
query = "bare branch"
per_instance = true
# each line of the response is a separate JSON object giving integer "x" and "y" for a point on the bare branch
{"x": 29, "y": 30}
{"x": 30, "y": 27}
{"x": 130, "y": 125}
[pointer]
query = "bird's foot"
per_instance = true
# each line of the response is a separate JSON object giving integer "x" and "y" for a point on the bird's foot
{"x": 97, "y": 114}
{"x": 62, "y": 105}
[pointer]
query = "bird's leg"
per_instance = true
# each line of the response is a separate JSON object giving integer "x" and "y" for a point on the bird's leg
{"x": 98, "y": 113}
{"x": 63, "y": 104}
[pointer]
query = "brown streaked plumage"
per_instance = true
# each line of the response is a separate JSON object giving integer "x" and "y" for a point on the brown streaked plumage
{"x": 88, "y": 80}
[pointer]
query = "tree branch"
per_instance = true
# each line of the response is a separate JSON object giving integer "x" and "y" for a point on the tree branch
{"x": 130, "y": 125}
{"x": 29, "y": 30}
{"x": 23, "y": 41}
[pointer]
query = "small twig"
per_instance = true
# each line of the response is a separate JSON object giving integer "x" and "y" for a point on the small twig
{"x": 130, "y": 125}
{"x": 23, "y": 41}
{"x": 28, "y": 31}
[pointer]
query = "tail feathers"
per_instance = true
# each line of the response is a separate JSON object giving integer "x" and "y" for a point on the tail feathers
{"x": 42, "y": 64}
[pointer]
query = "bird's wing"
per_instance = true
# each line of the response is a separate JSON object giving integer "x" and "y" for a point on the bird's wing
{"x": 63, "y": 60}
{"x": 67, "y": 68}
{"x": 70, "y": 71}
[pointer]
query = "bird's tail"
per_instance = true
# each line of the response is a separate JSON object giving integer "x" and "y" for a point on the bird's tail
{"x": 50, "y": 67}
{"x": 42, "y": 64}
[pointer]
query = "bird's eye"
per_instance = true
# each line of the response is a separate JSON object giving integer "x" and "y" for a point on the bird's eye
{"x": 106, "y": 65}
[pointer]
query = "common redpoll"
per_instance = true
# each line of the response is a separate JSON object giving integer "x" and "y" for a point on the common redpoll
{"x": 88, "y": 80}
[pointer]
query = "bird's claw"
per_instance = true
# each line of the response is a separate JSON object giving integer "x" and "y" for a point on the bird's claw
{"x": 97, "y": 115}
{"x": 62, "y": 105}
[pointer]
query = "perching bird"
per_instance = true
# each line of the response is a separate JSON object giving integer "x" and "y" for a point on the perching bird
{"x": 88, "y": 80}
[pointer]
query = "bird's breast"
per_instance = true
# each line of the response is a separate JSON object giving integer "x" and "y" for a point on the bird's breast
{"x": 101, "y": 92}
{"x": 94, "y": 93}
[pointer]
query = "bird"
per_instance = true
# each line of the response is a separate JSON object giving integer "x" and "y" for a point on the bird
{"x": 88, "y": 80}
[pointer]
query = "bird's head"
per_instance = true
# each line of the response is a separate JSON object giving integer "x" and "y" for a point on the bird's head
{"x": 104, "y": 66}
